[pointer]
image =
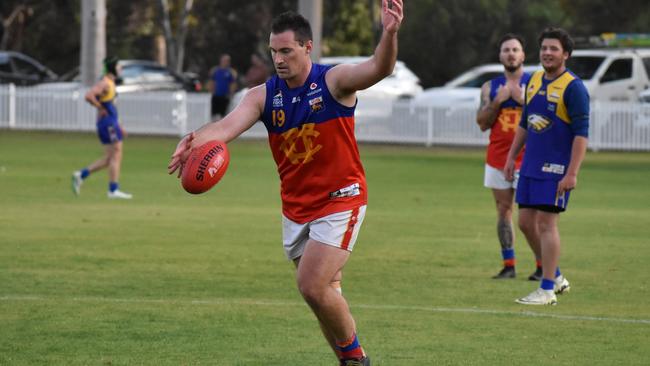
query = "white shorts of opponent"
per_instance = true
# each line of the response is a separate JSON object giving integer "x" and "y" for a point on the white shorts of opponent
{"x": 495, "y": 179}
{"x": 338, "y": 230}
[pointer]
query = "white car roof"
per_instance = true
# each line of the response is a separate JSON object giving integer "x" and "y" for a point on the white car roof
{"x": 610, "y": 51}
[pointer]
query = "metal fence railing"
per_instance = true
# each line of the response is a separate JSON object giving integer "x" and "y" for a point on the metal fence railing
{"x": 613, "y": 126}
{"x": 166, "y": 113}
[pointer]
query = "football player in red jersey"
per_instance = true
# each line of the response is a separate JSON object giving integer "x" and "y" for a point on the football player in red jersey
{"x": 500, "y": 111}
{"x": 308, "y": 110}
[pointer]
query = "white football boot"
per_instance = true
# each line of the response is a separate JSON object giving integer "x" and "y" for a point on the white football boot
{"x": 539, "y": 297}
{"x": 561, "y": 285}
{"x": 77, "y": 181}
{"x": 119, "y": 195}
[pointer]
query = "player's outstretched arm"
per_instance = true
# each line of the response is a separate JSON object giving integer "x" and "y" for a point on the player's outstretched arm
{"x": 227, "y": 129}
{"x": 345, "y": 79}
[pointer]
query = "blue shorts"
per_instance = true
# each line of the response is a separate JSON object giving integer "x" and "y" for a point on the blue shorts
{"x": 108, "y": 130}
{"x": 540, "y": 194}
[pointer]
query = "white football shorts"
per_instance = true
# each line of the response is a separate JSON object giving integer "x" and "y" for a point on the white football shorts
{"x": 339, "y": 230}
{"x": 495, "y": 179}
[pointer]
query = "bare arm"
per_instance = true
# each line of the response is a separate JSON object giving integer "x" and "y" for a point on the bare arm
{"x": 517, "y": 144}
{"x": 345, "y": 79}
{"x": 91, "y": 96}
{"x": 227, "y": 129}
{"x": 487, "y": 110}
{"x": 578, "y": 152}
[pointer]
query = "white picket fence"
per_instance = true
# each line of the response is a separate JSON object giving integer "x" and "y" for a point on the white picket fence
{"x": 613, "y": 126}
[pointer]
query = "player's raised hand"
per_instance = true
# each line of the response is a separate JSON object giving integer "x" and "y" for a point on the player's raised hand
{"x": 392, "y": 15}
{"x": 181, "y": 154}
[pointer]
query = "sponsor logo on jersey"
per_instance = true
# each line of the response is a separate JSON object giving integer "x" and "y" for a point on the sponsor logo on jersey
{"x": 553, "y": 168}
{"x": 538, "y": 123}
{"x": 316, "y": 91}
{"x": 295, "y": 100}
{"x": 277, "y": 99}
{"x": 349, "y": 191}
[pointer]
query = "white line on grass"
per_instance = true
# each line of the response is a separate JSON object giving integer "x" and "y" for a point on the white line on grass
{"x": 254, "y": 302}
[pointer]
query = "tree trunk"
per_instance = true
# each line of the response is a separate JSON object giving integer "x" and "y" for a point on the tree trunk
{"x": 183, "y": 20}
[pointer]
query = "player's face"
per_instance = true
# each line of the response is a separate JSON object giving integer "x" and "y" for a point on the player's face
{"x": 290, "y": 57}
{"x": 511, "y": 55}
{"x": 552, "y": 55}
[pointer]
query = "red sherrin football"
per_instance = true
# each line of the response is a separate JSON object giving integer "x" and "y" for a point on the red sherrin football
{"x": 205, "y": 167}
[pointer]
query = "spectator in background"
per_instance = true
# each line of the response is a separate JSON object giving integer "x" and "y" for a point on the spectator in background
{"x": 222, "y": 85}
{"x": 257, "y": 73}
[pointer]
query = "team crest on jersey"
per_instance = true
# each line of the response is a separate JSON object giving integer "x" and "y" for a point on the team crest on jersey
{"x": 298, "y": 144}
{"x": 316, "y": 104}
{"x": 509, "y": 119}
{"x": 313, "y": 86}
{"x": 277, "y": 99}
{"x": 539, "y": 123}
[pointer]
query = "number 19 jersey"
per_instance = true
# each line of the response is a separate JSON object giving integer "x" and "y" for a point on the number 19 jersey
{"x": 311, "y": 136}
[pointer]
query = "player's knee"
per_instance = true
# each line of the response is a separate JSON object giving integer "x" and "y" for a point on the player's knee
{"x": 311, "y": 291}
{"x": 526, "y": 226}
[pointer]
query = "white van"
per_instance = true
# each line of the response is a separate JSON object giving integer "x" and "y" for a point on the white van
{"x": 612, "y": 74}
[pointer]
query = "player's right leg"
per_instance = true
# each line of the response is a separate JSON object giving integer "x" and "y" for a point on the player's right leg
{"x": 114, "y": 150}
{"x": 320, "y": 249}
{"x": 503, "y": 199}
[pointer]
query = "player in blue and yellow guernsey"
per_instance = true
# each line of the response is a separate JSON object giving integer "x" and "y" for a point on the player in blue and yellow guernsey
{"x": 554, "y": 127}
{"x": 308, "y": 111}
{"x": 102, "y": 96}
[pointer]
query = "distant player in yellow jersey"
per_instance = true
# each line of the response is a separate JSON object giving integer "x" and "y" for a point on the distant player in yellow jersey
{"x": 109, "y": 131}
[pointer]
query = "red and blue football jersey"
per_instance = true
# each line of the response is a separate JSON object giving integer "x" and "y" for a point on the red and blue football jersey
{"x": 311, "y": 136}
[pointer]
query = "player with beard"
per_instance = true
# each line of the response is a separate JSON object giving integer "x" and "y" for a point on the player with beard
{"x": 500, "y": 111}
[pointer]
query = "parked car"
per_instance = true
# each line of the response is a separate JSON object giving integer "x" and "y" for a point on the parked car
{"x": 644, "y": 97}
{"x": 465, "y": 89}
{"x": 136, "y": 76}
{"x": 20, "y": 69}
{"x": 401, "y": 84}
{"x": 612, "y": 74}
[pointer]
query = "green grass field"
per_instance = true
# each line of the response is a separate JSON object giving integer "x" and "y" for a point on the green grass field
{"x": 174, "y": 279}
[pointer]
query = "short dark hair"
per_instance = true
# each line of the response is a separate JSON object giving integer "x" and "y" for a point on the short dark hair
{"x": 559, "y": 34}
{"x": 294, "y": 22}
{"x": 110, "y": 65}
{"x": 509, "y": 36}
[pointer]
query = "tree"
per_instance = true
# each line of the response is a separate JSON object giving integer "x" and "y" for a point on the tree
{"x": 350, "y": 31}
{"x": 175, "y": 46}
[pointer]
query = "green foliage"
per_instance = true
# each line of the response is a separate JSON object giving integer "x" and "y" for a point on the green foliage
{"x": 439, "y": 38}
{"x": 174, "y": 279}
{"x": 350, "y": 31}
